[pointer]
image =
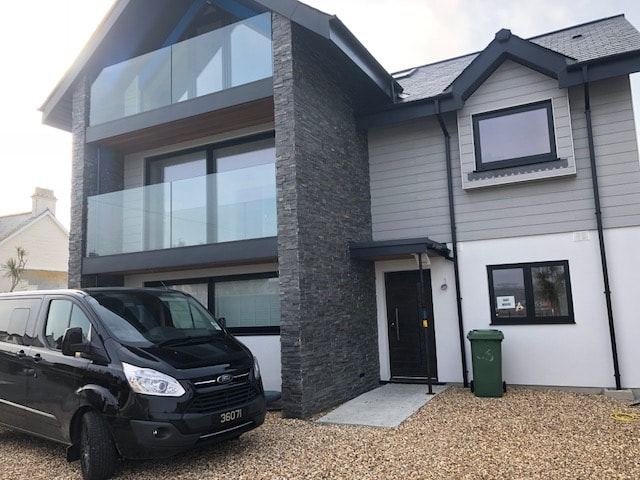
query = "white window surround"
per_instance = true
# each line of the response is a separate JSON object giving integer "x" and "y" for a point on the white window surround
{"x": 513, "y": 85}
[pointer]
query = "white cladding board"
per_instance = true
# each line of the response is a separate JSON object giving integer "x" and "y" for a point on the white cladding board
{"x": 409, "y": 186}
{"x": 513, "y": 85}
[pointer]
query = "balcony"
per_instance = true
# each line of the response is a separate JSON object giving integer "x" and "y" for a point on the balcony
{"x": 216, "y": 208}
{"x": 234, "y": 55}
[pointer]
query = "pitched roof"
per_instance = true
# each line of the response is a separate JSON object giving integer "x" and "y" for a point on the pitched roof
{"x": 128, "y": 21}
{"x": 12, "y": 223}
{"x": 580, "y": 43}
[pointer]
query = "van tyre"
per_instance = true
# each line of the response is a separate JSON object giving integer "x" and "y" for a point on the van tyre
{"x": 97, "y": 450}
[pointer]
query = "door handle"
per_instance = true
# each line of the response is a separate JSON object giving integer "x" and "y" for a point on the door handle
{"x": 21, "y": 354}
{"x": 37, "y": 357}
{"x": 397, "y": 326}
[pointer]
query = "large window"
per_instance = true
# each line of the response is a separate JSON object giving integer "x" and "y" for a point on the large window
{"x": 211, "y": 194}
{"x": 514, "y": 136}
{"x": 530, "y": 293}
{"x": 249, "y": 304}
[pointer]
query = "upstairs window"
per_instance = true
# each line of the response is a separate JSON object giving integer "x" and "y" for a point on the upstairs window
{"x": 514, "y": 136}
{"x": 530, "y": 293}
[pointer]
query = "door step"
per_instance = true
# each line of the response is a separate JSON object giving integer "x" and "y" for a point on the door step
{"x": 414, "y": 380}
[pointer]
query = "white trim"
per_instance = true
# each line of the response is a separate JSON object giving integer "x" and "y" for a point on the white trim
{"x": 40, "y": 216}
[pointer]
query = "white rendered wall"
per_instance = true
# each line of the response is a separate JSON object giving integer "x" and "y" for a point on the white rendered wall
{"x": 266, "y": 348}
{"x": 623, "y": 256}
{"x": 564, "y": 355}
{"x": 444, "y": 316}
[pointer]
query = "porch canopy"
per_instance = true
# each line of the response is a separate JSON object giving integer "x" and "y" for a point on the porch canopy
{"x": 395, "y": 249}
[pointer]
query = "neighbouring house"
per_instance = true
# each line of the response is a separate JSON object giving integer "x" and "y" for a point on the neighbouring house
{"x": 255, "y": 154}
{"x": 45, "y": 240}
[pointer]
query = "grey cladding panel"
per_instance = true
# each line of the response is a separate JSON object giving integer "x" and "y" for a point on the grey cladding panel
{"x": 409, "y": 190}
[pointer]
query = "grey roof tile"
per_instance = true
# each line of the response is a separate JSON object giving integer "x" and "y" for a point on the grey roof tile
{"x": 601, "y": 38}
{"x": 13, "y": 223}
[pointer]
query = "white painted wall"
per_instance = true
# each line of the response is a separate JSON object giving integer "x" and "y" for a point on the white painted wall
{"x": 623, "y": 256}
{"x": 444, "y": 316}
{"x": 265, "y": 347}
{"x": 564, "y": 355}
{"x": 47, "y": 246}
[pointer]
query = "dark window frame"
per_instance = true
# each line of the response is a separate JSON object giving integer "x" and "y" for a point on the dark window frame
{"x": 531, "y": 318}
{"x": 211, "y": 306}
{"x": 208, "y": 150}
{"x": 518, "y": 161}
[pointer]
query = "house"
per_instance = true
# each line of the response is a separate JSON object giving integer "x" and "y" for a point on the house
{"x": 254, "y": 154}
{"x": 45, "y": 240}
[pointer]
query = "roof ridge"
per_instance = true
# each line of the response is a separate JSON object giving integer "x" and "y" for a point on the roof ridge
{"x": 458, "y": 57}
{"x": 576, "y": 26}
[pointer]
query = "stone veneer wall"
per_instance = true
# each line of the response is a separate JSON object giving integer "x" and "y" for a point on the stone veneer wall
{"x": 89, "y": 166}
{"x": 328, "y": 317}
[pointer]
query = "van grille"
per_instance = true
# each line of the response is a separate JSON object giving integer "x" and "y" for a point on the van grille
{"x": 222, "y": 399}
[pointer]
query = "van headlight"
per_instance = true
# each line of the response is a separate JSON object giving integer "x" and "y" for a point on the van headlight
{"x": 151, "y": 382}
{"x": 256, "y": 368}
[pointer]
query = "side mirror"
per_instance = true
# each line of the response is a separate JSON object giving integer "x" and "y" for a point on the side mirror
{"x": 73, "y": 342}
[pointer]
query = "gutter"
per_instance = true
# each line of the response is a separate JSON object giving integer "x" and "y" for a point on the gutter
{"x": 598, "y": 213}
{"x": 454, "y": 242}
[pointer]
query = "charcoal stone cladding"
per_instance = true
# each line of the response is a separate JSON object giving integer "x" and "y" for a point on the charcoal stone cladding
{"x": 94, "y": 171}
{"x": 328, "y": 320}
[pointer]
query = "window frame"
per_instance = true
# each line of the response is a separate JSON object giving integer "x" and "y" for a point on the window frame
{"x": 211, "y": 306}
{"x": 209, "y": 151}
{"x": 531, "y": 318}
{"x": 481, "y": 166}
{"x": 88, "y": 336}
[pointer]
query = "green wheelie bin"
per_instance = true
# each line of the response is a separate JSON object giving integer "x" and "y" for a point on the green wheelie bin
{"x": 486, "y": 359}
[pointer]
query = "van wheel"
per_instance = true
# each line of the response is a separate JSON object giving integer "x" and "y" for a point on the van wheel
{"x": 97, "y": 451}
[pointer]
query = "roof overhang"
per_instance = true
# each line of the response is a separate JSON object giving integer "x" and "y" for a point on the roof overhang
{"x": 395, "y": 249}
{"x": 56, "y": 110}
{"x": 505, "y": 46}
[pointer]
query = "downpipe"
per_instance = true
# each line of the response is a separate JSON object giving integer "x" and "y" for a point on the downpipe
{"x": 598, "y": 213}
{"x": 454, "y": 242}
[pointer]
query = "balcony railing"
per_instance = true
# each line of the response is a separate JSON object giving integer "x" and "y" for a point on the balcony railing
{"x": 233, "y": 55}
{"x": 221, "y": 207}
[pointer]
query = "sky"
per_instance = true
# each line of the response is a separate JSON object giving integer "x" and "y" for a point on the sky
{"x": 40, "y": 39}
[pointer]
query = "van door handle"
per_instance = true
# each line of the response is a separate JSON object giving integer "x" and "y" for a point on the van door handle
{"x": 37, "y": 357}
{"x": 21, "y": 354}
{"x": 397, "y": 327}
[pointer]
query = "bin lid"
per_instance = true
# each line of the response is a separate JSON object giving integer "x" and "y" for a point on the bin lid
{"x": 488, "y": 334}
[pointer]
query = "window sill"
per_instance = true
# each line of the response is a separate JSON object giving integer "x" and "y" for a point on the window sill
{"x": 526, "y": 321}
{"x": 556, "y": 164}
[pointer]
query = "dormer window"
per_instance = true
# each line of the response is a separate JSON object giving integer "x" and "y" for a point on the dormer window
{"x": 515, "y": 136}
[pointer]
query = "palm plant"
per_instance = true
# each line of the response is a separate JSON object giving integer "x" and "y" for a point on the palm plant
{"x": 14, "y": 267}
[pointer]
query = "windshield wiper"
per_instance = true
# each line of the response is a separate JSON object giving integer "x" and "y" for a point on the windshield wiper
{"x": 173, "y": 342}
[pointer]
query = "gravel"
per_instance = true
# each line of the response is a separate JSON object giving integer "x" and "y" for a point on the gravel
{"x": 527, "y": 434}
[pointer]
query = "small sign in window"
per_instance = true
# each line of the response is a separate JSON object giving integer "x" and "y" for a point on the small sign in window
{"x": 504, "y": 303}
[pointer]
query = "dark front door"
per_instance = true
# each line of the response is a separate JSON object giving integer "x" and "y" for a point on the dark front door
{"x": 408, "y": 347}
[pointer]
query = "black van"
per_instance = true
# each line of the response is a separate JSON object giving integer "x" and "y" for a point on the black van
{"x": 136, "y": 373}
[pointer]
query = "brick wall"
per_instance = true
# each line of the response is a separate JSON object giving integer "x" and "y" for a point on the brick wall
{"x": 328, "y": 317}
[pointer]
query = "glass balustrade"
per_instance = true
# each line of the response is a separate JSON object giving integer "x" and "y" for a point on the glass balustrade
{"x": 221, "y": 207}
{"x": 233, "y": 55}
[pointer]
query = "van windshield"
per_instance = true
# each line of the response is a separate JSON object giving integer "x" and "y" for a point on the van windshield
{"x": 156, "y": 317}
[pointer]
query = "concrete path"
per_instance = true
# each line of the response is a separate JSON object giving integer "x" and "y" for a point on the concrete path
{"x": 386, "y": 406}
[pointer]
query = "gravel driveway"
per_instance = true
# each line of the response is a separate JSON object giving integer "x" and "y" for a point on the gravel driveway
{"x": 524, "y": 435}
